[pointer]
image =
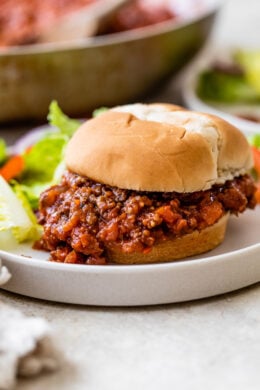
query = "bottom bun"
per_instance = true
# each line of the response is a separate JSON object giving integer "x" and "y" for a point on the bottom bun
{"x": 175, "y": 248}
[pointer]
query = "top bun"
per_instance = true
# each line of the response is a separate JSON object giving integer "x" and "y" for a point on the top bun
{"x": 158, "y": 147}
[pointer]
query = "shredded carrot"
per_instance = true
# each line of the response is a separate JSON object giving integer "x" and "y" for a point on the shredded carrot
{"x": 12, "y": 168}
{"x": 256, "y": 156}
{"x": 257, "y": 194}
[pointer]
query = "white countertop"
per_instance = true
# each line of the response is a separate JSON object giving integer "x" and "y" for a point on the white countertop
{"x": 209, "y": 344}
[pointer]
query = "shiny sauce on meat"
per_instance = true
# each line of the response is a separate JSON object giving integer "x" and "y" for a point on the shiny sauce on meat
{"x": 81, "y": 218}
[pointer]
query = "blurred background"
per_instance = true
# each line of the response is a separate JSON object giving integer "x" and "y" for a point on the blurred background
{"x": 91, "y": 53}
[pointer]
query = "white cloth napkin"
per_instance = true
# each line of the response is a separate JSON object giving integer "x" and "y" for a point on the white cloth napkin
{"x": 26, "y": 343}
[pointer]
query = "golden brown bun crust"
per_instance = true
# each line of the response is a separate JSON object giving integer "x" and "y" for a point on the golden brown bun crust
{"x": 177, "y": 248}
{"x": 168, "y": 149}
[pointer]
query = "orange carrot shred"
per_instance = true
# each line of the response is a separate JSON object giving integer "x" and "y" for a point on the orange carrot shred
{"x": 256, "y": 156}
{"x": 257, "y": 194}
{"x": 12, "y": 168}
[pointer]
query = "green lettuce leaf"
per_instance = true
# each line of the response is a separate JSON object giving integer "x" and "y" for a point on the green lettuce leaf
{"x": 214, "y": 85}
{"x": 17, "y": 189}
{"x": 16, "y": 218}
{"x": 58, "y": 119}
{"x": 250, "y": 62}
{"x": 44, "y": 166}
{"x": 41, "y": 163}
{"x": 3, "y": 151}
{"x": 99, "y": 111}
{"x": 32, "y": 189}
{"x": 43, "y": 158}
{"x": 44, "y": 163}
{"x": 255, "y": 140}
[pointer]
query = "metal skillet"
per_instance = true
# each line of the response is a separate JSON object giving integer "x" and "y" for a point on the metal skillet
{"x": 100, "y": 71}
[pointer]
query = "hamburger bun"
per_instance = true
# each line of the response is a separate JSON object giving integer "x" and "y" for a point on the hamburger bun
{"x": 174, "y": 248}
{"x": 158, "y": 148}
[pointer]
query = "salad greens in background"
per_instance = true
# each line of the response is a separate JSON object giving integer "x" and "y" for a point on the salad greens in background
{"x": 235, "y": 82}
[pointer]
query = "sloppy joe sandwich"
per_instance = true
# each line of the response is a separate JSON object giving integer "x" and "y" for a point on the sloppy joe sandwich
{"x": 146, "y": 183}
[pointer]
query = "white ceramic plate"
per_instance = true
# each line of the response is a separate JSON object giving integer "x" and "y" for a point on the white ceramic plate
{"x": 233, "y": 265}
{"x": 193, "y": 102}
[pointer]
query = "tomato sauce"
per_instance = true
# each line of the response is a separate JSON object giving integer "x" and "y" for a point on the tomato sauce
{"x": 81, "y": 218}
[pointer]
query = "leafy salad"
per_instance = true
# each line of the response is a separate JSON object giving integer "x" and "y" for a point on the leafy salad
{"x": 235, "y": 82}
{"x": 25, "y": 175}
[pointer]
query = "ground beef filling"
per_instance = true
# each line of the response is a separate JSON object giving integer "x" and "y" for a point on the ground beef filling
{"x": 82, "y": 218}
